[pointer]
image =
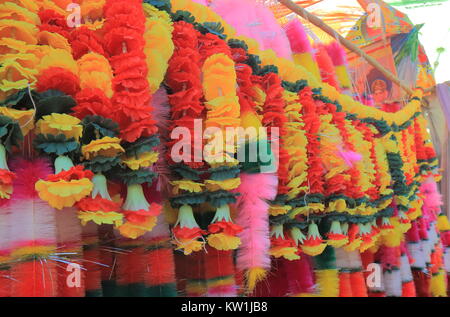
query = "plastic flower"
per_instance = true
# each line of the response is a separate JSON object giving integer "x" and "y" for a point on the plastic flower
{"x": 83, "y": 40}
{"x": 279, "y": 210}
{"x": 186, "y": 185}
{"x": 404, "y": 221}
{"x": 223, "y": 231}
{"x": 354, "y": 240}
{"x": 99, "y": 207}
{"x": 145, "y": 159}
{"x": 23, "y": 117}
{"x": 227, "y": 184}
{"x": 106, "y": 146}
{"x": 139, "y": 214}
{"x": 386, "y": 225}
{"x": 69, "y": 185}
{"x": 6, "y": 180}
{"x": 186, "y": 232}
{"x": 282, "y": 247}
{"x": 313, "y": 244}
{"x": 60, "y": 79}
{"x": 135, "y": 230}
{"x": 136, "y": 129}
{"x": 335, "y": 236}
{"x": 57, "y": 123}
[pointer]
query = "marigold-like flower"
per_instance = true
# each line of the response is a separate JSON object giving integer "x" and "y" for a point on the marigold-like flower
{"x": 106, "y": 146}
{"x": 65, "y": 188}
{"x": 313, "y": 244}
{"x": 186, "y": 232}
{"x": 335, "y": 236}
{"x": 59, "y": 123}
{"x": 6, "y": 179}
{"x": 145, "y": 159}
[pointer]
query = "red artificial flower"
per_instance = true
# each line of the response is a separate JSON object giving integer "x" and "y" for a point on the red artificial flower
{"x": 134, "y": 60}
{"x": 122, "y": 40}
{"x": 140, "y": 216}
{"x": 135, "y": 130}
{"x": 188, "y": 233}
{"x": 6, "y": 177}
{"x": 98, "y": 204}
{"x": 92, "y": 101}
{"x": 210, "y": 44}
{"x": 226, "y": 227}
{"x": 184, "y": 35}
{"x": 83, "y": 40}
{"x": 60, "y": 79}
{"x": 54, "y": 22}
{"x": 280, "y": 242}
{"x": 74, "y": 173}
{"x": 238, "y": 55}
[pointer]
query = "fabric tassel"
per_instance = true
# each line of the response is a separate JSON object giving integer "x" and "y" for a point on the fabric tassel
{"x": 91, "y": 261}
{"x": 253, "y": 216}
{"x": 68, "y": 233}
{"x": 5, "y": 248}
{"x": 33, "y": 234}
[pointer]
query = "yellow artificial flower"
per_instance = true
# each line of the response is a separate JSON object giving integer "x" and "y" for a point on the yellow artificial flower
{"x": 189, "y": 245}
{"x": 56, "y": 57}
{"x": 227, "y": 184}
{"x": 311, "y": 208}
{"x": 92, "y": 9}
{"x": 94, "y": 62}
{"x": 154, "y": 14}
{"x": 5, "y": 191}
{"x": 352, "y": 246}
{"x": 186, "y": 185}
{"x": 276, "y": 210}
{"x": 63, "y": 193}
{"x": 19, "y": 30}
{"x": 54, "y": 40}
{"x": 60, "y": 123}
{"x": 313, "y": 250}
{"x": 106, "y": 146}
{"x": 24, "y": 117}
{"x": 101, "y": 217}
{"x": 135, "y": 230}
{"x": 288, "y": 253}
{"x": 219, "y": 76}
{"x": 337, "y": 243}
{"x": 224, "y": 242}
{"x": 145, "y": 159}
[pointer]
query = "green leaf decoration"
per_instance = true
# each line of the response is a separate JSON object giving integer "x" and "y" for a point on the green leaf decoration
{"x": 294, "y": 87}
{"x": 183, "y": 16}
{"x": 186, "y": 172}
{"x": 21, "y": 100}
{"x": 212, "y": 27}
{"x": 224, "y": 172}
{"x": 254, "y": 62}
{"x": 10, "y": 132}
{"x": 101, "y": 164}
{"x": 55, "y": 144}
{"x": 235, "y": 43}
{"x": 53, "y": 101}
{"x": 221, "y": 197}
{"x": 268, "y": 69}
{"x": 97, "y": 127}
{"x": 188, "y": 199}
{"x": 140, "y": 176}
{"x": 141, "y": 145}
{"x": 163, "y": 5}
